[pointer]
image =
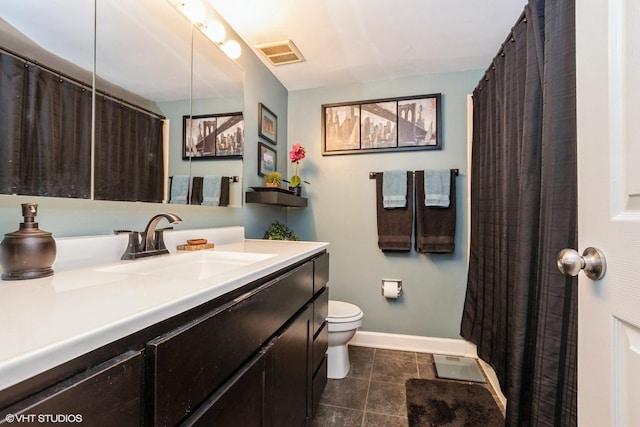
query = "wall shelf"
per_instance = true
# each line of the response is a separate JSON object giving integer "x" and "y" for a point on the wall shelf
{"x": 275, "y": 197}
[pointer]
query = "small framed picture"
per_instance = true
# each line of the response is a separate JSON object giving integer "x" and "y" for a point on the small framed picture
{"x": 267, "y": 124}
{"x": 267, "y": 159}
{"x": 212, "y": 136}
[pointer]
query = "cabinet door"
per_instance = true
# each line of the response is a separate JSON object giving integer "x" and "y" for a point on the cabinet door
{"x": 239, "y": 402}
{"x": 109, "y": 394}
{"x": 289, "y": 376}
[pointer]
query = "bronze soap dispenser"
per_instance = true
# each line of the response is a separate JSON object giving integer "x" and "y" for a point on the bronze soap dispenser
{"x": 29, "y": 252}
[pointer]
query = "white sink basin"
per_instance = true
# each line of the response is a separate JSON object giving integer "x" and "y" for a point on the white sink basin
{"x": 195, "y": 266}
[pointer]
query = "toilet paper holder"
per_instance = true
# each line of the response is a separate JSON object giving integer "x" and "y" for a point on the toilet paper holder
{"x": 391, "y": 284}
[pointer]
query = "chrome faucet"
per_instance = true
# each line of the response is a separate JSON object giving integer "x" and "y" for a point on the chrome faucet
{"x": 152, "y": 239}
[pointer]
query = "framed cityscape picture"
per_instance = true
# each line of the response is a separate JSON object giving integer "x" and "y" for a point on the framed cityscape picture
{"x": 391, "y": 124}
{"x": 212, "y": 136}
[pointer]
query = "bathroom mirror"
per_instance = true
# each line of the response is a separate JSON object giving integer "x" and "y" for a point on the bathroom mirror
{"x": 143, "y": 57}
{"x": 218, "y": 102}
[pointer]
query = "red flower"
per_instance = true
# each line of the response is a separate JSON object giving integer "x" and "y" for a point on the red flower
{"x": 297, "y": 153}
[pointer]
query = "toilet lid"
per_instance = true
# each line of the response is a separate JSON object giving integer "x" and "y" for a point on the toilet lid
{"x": 343, "y": 310}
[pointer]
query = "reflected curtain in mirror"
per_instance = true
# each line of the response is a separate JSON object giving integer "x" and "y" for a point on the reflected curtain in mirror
{"x": 46, "y": 139}
{"x": 45, "y": 132}
{"x": 129, "y": 160}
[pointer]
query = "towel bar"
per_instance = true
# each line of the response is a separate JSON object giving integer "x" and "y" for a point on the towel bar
{"x": 372, "y": 175}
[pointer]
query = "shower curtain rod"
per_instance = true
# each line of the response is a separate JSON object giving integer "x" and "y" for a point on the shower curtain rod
{"x": 508, "y": 39}
{"x": 78, "y": 82}
{"x": 372, "y": 175}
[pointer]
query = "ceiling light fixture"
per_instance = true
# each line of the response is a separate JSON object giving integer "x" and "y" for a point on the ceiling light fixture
{"x": 232, "y": 49}
{"x": 195, "y": 11}
{"x": 192, "y": 9}
{"x": 214, "y": 31}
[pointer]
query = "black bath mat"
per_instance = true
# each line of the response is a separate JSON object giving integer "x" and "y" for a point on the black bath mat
{"x": 451, "y": 403}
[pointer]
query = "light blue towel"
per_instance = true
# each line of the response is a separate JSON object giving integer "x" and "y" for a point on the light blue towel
{"x": 179, "y": 189}
{"x": 394, "y": 189}
{"x": 437, "y": 187}
{"x": 211, "y": 187}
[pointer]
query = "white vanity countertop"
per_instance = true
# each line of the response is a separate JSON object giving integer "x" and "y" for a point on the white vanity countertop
{"x": 48, "y": 321}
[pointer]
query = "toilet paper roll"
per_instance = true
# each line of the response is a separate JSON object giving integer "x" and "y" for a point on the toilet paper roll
{"x": 390, "y": 290}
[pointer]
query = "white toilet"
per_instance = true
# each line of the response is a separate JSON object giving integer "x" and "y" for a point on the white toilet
{"x": 343, "y": 321}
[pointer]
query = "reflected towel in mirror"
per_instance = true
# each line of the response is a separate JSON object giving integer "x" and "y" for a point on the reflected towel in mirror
{"x": 179, "y": 189}
{"x": 211, "y": 188}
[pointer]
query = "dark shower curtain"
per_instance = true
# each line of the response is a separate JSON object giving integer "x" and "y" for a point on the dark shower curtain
{"x": 519, "y": 310}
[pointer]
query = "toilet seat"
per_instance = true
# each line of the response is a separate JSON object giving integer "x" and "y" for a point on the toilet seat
{"x": 343, "y": 312}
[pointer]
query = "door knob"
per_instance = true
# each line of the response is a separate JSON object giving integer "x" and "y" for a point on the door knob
{"x": 592, "y": 261}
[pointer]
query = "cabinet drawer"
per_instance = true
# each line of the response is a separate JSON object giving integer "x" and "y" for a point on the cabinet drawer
{"x": 188, "y": 364}
{"x": 319, "y": 383}
{"x": 320, "y": 272}
{"x": 320, "y": 345}
{"x": 106, "y": 395}
{"x": 320, "y": 309}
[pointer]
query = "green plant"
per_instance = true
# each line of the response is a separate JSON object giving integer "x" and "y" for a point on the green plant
{"x": 273, "y": 178}
{"x": 279, "y": 231}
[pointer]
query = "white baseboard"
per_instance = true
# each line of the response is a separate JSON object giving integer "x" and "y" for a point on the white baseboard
{"x": 449, "y": 346}
{"x": 415, "y": 343}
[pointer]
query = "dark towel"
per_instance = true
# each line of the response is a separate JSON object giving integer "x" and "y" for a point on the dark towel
{"x": 224, "y": 191}
{"x": 394, "y": 225}
{"x": 435, "y": 226}
{"x": 196, "y": 190}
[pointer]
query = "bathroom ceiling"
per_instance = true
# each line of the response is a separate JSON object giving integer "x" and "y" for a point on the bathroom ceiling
{"x": 355, "y": 41}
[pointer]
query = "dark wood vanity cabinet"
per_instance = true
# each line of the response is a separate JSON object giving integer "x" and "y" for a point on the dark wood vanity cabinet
{"x": 256, "y": 357}
{"x": 106, "y": 395}
{"x": 189, "y": 363}
{"x": 282, "y": 384}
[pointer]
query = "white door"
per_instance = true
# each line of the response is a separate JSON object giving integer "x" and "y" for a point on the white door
{"x": 608, "y": 102}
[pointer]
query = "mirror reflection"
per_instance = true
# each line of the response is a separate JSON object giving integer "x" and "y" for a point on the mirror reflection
{"x": 220, "y": 107}
{"x": 143, "y": 58}
{"x": 45, "y": 131}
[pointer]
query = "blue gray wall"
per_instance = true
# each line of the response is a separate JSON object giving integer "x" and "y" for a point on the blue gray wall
{"x": 342, "y": 209}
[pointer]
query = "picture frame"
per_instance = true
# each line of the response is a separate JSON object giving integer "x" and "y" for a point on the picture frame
{"x": 267, "y": 124}
{"x": 379, "y": 125}
{"x": 213, "y": 136}
{"x": 267, "y": 159}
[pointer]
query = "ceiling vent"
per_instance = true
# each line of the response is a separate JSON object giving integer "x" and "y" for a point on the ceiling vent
{"x": 280, "y": 53}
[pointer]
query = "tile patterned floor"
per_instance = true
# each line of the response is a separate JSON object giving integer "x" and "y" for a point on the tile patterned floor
{"x": 373, "y": 393}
